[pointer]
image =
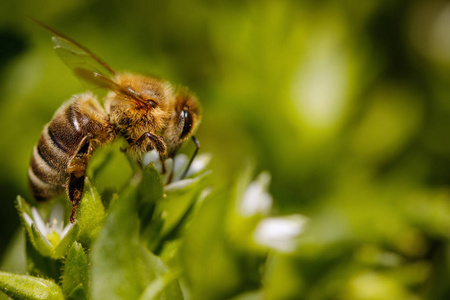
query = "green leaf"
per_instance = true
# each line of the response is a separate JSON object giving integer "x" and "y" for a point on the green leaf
{"x": 163, "y": 288}
{"x": 175, "y": 209}
{"x": 23, "y": 206}
{"x": 149, "y": 191}
{"x": 24, "y": 212}
{"x": 170, "y": 253}
{"x": 90, "y": 215}
{"x": 253, "y": 295}
{"x": 29, "y": 287}
{"x": 209, "y": 263}
{"x": 121, "y": 266}
{"x": 42, "y": 266}
{"x": 42, "y": 244}
{"x": 75, "y": 274}
{"x": 284, "y": 278}
{"x": 79, "y": 293}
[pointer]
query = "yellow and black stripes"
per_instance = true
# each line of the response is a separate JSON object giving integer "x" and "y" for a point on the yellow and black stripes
{"x": 48, "y": 173}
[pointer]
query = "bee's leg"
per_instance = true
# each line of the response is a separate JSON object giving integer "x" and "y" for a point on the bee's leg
{"x": 75, "y": 187}
{"x": 156, "y": 142}
{"x": 77, "y": 172}
{"x": 197, "y": 146}
{"x": 172, "y": 170}
{"x": 162, "y": 159}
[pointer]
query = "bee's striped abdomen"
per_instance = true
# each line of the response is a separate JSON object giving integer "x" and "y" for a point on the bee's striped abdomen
{"x": 46, "y": 174}
{"x": 58, "y": 143}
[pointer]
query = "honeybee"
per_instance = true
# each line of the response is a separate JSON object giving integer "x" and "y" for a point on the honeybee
{"x": 147, "y": 112}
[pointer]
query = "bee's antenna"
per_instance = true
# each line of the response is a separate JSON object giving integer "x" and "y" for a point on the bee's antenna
{"x": 197, "y": 145}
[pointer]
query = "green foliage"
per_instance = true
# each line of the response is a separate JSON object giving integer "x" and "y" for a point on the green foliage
{"x": 91, "y": 215}
{"x": 29, "y": 287}
{"x": 152, "y": 240}
{"x": 75, "y": 276}
{"x": 124, "y": 272}
{"x": 345, "y": 103}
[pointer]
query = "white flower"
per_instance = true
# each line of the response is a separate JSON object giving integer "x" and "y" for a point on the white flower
{"x": 49, "y": 237}
{"x": 178, "y": 166}
{"x": 52, "y": 228}
{"x": 256, "y": 199}
{"x": 280, "y": 233}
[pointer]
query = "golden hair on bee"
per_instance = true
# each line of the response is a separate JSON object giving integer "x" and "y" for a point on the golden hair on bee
{"x": 145, "y": 111}
{"x": 150, "y": 115}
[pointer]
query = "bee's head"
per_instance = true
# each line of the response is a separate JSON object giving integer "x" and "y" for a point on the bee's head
{"x": 184, "y": 121}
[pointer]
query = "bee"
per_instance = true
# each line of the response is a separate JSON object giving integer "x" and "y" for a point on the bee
{"x": 147, "y": 112}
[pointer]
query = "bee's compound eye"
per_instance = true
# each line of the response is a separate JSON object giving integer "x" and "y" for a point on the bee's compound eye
{"x": 186, "y": 117}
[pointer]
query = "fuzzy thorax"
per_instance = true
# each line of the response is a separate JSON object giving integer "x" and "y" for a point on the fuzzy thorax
{"x": 132, "y": 118}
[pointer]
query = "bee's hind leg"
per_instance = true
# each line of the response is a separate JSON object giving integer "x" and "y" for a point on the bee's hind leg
{"x": 77, "y": 173}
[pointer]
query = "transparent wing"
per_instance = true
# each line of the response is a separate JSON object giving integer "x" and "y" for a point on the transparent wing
{"x": 86, "y": 65}
{"x": 77, "y": 57}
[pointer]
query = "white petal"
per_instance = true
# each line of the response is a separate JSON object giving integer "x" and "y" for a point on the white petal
{"x": 153, "y": 157}
{"x": 205, "y": 193}
{"x": 179, "y": 184}
{"x": 149, "y": 157}
{"x": 280, "y": 233}
{"x": 180, "y": 164}
{"x": 256, "y": 199}
{"x": 38, "y": 221}
{"x": 200, "y": 162}
{"x": 28, "y": 219}
{"x": 66, "y": 230}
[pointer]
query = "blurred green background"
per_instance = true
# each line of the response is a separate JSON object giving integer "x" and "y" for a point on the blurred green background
{"x": 346, "y": 103}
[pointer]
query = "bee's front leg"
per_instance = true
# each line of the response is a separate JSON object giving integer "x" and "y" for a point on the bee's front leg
{"x": 156, "y": 142}
{"x": 77, "y": 172}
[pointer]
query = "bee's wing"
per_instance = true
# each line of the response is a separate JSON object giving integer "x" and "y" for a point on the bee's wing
{"x": 76, "y": 56}
{"x": 86, "y": 65}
